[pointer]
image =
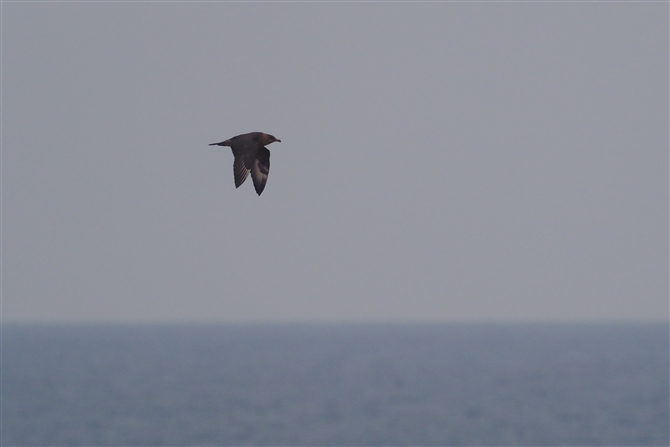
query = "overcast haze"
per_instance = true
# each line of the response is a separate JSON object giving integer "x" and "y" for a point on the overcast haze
{"x": 439, "y": 162}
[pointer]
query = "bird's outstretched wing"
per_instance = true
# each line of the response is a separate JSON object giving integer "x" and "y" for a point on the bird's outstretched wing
{"x": 240, "y": 171}
{"x": 260, "y": 169}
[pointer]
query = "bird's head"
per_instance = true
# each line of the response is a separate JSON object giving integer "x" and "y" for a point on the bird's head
{"x": 271, "y": 139}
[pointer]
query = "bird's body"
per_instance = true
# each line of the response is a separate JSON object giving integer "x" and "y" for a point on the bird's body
{"x": 250, "y": 155}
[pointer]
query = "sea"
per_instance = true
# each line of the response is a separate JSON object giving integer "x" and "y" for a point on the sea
{"x": 335, "y": 384}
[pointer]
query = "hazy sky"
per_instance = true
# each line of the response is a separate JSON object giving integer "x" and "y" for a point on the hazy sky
{"x": 439, "y": 161}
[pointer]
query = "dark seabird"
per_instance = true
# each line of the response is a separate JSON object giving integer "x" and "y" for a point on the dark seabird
{"x": 250, "y": 155}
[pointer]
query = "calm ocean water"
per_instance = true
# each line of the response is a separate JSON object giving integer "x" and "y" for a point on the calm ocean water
{"x": 335, "y": 385}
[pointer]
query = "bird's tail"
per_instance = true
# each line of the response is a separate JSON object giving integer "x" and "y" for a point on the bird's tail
{"x": 223, "y": 143}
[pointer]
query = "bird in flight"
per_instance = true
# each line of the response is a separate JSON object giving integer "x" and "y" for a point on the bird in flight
{"x": 250, "y": 155}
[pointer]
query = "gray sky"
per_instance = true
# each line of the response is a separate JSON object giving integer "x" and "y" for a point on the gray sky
{"x": 439, "y": 162}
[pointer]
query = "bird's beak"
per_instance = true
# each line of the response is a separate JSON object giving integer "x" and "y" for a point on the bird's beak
{"x": 279, "y": 141}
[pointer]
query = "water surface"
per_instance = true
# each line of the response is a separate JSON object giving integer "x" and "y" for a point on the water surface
{"x": 479, "y": 384}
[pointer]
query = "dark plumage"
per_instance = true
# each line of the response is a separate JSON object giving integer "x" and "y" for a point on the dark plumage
{"x": 250, "y": 155}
